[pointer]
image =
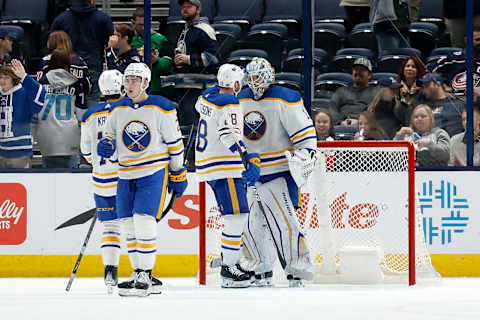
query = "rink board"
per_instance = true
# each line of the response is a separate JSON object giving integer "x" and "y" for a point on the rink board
{"x": 33, "y": 205}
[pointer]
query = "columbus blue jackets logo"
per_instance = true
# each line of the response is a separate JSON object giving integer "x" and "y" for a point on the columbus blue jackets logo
{"x": 255, "y": 126}
{"x": 459, "y": 82}
{"x": 136, "y": 136}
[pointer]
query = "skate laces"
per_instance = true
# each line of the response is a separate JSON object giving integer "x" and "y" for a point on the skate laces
{"x": 235, "y": 271}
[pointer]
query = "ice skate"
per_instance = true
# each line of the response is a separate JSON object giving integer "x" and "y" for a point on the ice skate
{"x": 127, "y": 288}
{"x": 294, "y": 282}
{"x": 264, "y": 279}
{"x": 156, "y": 283}
{"x": 111, "y": 277}
{"x": 143, "y": 284}
{"x": 232, "y": 277}
{"x": 249, "y": 272}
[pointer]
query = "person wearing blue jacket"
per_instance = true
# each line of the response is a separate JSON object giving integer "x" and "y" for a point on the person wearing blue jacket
{"x": 20, "y": 98}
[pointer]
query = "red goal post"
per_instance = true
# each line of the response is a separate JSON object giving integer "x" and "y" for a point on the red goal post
{"x": 359, "y": 156}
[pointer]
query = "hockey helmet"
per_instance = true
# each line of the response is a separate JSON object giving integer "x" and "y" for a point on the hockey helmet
{"x": 138, "y": 69}
{"x": 260, "y": 75}
{"x": 228, "y": 74}
{"x": 110, "y": 82}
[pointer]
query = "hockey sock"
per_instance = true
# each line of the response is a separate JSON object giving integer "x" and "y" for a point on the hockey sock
{"x": 232, "y": 237}
{"x": 111, "y": 242}
{"x": 146, "y": 234}
{"x": 131, "y": 242}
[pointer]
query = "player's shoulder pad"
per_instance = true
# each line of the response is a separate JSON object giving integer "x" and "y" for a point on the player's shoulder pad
{"x": 281, "y": 93}
{"x": 125, "y": 101}
{"x": 161, "y": 102}
{"x": 99, "y": 107}
{"x": 218, "y": 99}
{"x": 246, "y": 93}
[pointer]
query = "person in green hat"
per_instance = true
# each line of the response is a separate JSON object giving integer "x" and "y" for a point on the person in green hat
{"x": 161, "y": 62}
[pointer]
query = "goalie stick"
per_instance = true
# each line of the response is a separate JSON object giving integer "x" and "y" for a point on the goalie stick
{"x": 80, "y": 255}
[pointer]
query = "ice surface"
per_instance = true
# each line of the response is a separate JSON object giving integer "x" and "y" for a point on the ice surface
{"x": 46, "y": 298}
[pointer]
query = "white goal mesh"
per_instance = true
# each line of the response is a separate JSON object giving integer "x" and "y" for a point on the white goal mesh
{"x": 360, "y": 199}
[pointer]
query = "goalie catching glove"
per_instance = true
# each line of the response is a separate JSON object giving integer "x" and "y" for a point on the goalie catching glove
{"x": 251, "y": 175}
{"x": 106, "y": 148}
{"x": 301, "y": 164}
{"x": 177, "y": 181}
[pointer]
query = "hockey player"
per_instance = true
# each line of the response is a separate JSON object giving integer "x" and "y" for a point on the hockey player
{"x": 58, "y": 127}
{"x": 275, "y": 121}
{"x": 217, "y": 161}
{"x": 104, "y": 173}
{"x": 145, "y": 133}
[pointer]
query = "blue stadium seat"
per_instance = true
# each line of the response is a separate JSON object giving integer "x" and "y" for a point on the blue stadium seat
{"x": 294, "y": 60}
{"x": 392, "y": 59}
{"x": 242, "y": 57}
{"x": 320, "y": 104}
{"x": 245, "y": 13}
{"x": 345, "y": 132}
{"x": 327, "y": 83}
{"x": 423, "y": 36}
{"x": 329, "y": 11}
{"x": 329, "y": 37}
{"x": 286, "y": 12}
{"x": 290, "y": 80}
{"x": 432, "y": 11}
{"x": 438, "y": 53}
{"x": 227, "y": 36}
{"x": 380, "y": 75}
{"x": 344, "y": 58}
{"x": 362, "y": 36}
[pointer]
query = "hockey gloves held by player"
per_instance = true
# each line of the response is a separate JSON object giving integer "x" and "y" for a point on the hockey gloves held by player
{"x": 252, "y": 173}
{"x": 106, "y": 147}
{"x": 301, "y": 165}
{"x": 177, "y": 181}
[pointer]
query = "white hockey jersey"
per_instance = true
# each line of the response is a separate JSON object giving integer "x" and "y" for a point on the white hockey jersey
{"x": 105, "y": 171}
{"x": 219, "y": 127}
{"x": 147, "y": 135}
{"x": 276, "y": 123}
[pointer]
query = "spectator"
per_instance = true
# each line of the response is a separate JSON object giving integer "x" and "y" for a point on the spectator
{"x": 410, "y": 71}
{"x": 197, "y": 44}
{"x": 119, "y": 53}
{"x": 432, "y": 144}
{"x": 20, "y": 98}
{"x": 356, "y": 11}
{"x": 348, "y": 102}
{"x": 369, "y": 128}
{"x": 384, "y": 104}
{"x": 323, "y": 126}
{"x": 390, "y": 20}
{"x": 60, "y": 40}
{"x": 458, "y": 147}
{"x": 415, "y": 6}
{"x": 161, "y": 62}
{"x": 89, "y": 30}
{"x": 453, "y": 68}
{"x": 58, "y": 123}
{"x": 6, "y": 44}
{"x": 454, "y": 16}
{"x": 447, "y": 109}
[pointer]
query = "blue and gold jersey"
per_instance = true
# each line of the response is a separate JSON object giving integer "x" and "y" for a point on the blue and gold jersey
{"x": 219, "y": 127}
{"x": 147, "y": 135}
{"x": 104, "y": 171}
{"x": 275, "y": 123}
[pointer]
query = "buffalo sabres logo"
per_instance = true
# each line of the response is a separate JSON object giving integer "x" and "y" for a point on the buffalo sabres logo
{"x": 136, "y": 136}
{"x": 255, "y": 125}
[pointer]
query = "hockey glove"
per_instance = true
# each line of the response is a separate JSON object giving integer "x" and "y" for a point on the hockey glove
{"x": 177, "y": 181}
{"x": 252, "y": 174}
{"x": 106, "y": 148}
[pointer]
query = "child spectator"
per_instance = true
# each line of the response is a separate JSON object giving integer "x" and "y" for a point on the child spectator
{"x": 119, "y": 53}
{"x": 369, "y": 128}
{"x": 323, "y": 126}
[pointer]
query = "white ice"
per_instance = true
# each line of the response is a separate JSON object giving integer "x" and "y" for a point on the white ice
{"x": 182, "y": 299}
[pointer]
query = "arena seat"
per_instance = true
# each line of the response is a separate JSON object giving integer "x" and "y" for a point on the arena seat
{"x": 344, "y": 58}
{"x": 242, "y": 57}
{"x": 329, "y": 37}
{"x": 391, "y": 59}
{"x": 327, "y": 83}
{"x": 295, "y": 58}
{"x": 227, "y": 35}
{"x": 362, "y": 36}
{"x": 290, "y": 80}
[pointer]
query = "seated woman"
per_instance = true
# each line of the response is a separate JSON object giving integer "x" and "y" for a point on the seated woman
{"x": 369, "y": 128}
{"x": 431, "y": 143}
{"x": 323, "y": 126}
{"x": 458, "y": 143}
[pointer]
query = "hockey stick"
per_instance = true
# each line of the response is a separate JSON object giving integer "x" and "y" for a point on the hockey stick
{"x": 82, "y": 251}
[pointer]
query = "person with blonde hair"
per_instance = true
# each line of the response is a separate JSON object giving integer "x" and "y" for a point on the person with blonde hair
{"x": 432, "y": 144}
{"x": 369, "y": 128}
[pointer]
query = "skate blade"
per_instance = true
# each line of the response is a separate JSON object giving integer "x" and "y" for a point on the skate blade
{"x": 133, "y": 292}
{"x": 296, "y": 284}
{"x": 263, "y": 283}
{"x": 235, "y": 284}
{"x": 110, "y": 288}
{"x": 156, "y": 290}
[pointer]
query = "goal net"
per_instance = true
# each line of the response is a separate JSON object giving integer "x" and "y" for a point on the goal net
{"x": 358, "y": 214}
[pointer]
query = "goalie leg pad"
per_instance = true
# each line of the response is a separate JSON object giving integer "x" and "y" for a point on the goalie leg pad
{"x": 146, "y": 234}
{"x": 111, "y": 242}
{"x": 231, "y": 239}
{"x": 282, "y": 218}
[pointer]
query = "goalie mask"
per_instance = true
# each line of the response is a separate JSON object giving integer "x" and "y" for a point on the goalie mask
{"x": 141, "y": 70}
{"x": 110, "y": 82}
{"x": 228, "y": 75}
{"x": 260, "y": 75}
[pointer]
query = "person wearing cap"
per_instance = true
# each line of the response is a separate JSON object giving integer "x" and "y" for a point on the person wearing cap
{"x": 348, "y": 102}
{"x": 6, "y": 43}
{"x": 90, "y": 30}
{"x": 197, "y": 44}
{"x": 384, "y": 104}
{"x": 446, "y": 108}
